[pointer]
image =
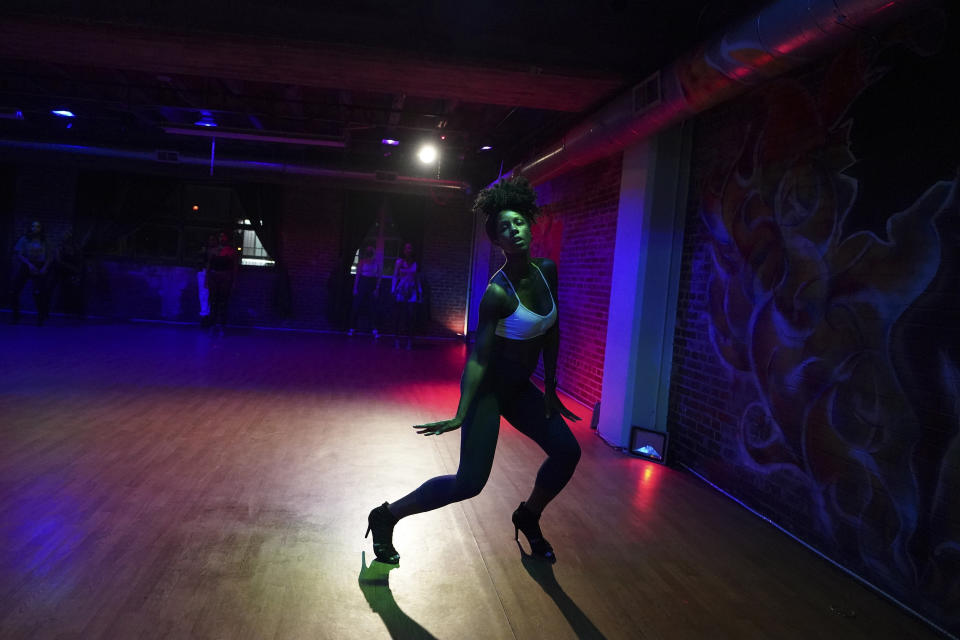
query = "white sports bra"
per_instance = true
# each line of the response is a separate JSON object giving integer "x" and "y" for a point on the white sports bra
{"x": 524, "y": 324}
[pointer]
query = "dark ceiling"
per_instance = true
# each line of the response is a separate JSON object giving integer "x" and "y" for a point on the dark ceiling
{"x": 338, "y": 78}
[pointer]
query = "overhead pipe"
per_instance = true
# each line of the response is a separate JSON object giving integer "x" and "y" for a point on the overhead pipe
{"x": 380, "y": 180}
{"x": 782, "y": 36}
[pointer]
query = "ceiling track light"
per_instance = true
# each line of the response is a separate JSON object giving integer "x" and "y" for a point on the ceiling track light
{"x": 206, "y": 120}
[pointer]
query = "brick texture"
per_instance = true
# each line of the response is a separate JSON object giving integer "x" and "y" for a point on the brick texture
{"x": 583, "y": 205}
{"x": 445, "y": 266}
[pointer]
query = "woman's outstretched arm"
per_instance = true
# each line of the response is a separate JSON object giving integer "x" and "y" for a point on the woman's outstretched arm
{"x": 476, "y": 367}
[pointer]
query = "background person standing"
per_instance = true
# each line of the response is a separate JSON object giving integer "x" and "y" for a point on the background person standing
{"x": 34, "y": 257}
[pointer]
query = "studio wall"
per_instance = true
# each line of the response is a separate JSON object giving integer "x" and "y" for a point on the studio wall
{"x": 817, "y": 351}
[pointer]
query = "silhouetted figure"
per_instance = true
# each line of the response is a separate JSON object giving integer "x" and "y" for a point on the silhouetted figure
{"x": 202, "y": 292}
{"x": 366, "y": 288}
{"x": 222, "y": 265}
{"x": 407, "y": 293}
{"x": 34, "y": 258}
{"x": 518, "y": 321}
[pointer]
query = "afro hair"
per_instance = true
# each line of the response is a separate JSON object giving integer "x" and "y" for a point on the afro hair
{"x": 514, "y": 194}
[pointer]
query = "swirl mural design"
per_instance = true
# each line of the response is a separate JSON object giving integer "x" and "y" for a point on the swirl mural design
{"x": 821, "y": 310}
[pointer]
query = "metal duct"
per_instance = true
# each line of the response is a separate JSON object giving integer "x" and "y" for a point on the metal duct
{"x": 782, "y": 36}
{"x": 378, "y": 180}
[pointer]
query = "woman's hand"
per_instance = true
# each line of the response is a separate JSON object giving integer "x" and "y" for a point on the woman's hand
{"x": 436, "y": 428}
{"x": 553, "y": 405}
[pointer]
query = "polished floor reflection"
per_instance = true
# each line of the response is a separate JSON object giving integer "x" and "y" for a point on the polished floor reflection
{"x": 159, "y": 483}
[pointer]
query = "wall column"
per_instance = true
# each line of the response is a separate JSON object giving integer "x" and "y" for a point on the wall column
{"x": 643, "y": 295}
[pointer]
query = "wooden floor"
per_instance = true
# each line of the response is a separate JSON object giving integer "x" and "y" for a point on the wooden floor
{"x": 158, "y": 483}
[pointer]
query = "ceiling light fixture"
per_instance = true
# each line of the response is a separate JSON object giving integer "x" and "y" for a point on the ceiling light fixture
{"x": 427, "y": 154}
{"x": 206, "y": 120}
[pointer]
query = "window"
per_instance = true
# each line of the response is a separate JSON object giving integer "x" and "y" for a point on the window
{"x": 253, "y": 252}
{"x": 165, "y": 220}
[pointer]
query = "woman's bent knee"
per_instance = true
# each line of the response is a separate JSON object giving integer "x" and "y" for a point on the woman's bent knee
{"x": 569, "y": 459}
{"x": 569, "y": 454}
{"x": 467, "y": 489}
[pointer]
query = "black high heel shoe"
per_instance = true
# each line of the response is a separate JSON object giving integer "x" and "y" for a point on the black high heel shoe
{"x": 528, "y": 522}
{"x": 381, "y": 522}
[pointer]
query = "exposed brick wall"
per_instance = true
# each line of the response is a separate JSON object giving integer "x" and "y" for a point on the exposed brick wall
{"x": 817, "y": 347}
{"x": 586, "y": 202}
{"x": 445, "y": 263}
{"x": 583, "y": 205}
{"x": 310, "y": 245}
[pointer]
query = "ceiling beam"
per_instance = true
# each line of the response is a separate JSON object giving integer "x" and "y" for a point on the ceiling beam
{"x": 351, "y": 68}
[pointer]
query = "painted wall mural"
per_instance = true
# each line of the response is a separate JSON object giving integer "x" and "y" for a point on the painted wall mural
{"x": 832, "y": 241}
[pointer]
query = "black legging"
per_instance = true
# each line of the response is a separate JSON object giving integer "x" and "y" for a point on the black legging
{"x": 364, "y": 302}
{"x": 41, "y": 291}
{"x": 406, "y": 317}
{"x": 509, "y": 393}
{"x": 220, "y": 283}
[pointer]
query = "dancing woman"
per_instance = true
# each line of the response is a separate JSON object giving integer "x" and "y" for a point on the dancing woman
{"x": 518, "y": 321}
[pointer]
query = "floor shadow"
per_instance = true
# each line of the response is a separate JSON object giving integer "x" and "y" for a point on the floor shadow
{"x": 374, "y": 583}
{"x": 542, "y": 573}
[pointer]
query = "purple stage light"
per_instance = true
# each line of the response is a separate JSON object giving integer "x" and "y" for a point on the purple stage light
{"x": 390, "y": 142}
{"x": 486, "y": 147}
{"x": 206, "y": 120}
{"x": 63, "y": 113}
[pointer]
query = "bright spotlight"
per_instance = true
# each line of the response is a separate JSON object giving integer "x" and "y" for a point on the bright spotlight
{"x": 63, "y": 113}
{"x": 427, "y": 154}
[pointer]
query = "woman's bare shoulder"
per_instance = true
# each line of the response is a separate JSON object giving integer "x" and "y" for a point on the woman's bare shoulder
{"x": 545, "y": 263}
{"x": 495, "y": 298}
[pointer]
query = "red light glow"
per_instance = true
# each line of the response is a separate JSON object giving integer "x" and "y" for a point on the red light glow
{"x": 647, "y": 488}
